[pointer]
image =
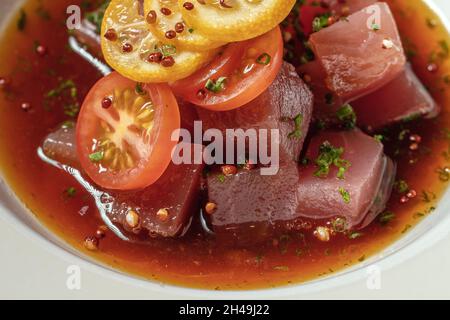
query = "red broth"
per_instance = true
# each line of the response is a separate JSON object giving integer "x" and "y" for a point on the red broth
{"x": 196, "y": 260}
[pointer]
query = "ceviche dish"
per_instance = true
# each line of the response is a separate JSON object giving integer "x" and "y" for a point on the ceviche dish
{"x": 226, "y": 145}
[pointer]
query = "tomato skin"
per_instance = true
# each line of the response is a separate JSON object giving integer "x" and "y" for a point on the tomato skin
{"x": 247, "y": 87}
{"x": 157, "y": 150}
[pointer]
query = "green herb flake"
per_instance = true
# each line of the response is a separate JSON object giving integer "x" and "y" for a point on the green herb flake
{"x": 65, "y": 94}
{"x": 297, "y": 133}
{"x": 281, "y": 268}
{"x": 221, "y": 178}
{"x": 355, "y": 235}
{"x": 96, "y": 17}
{"x": 96, "y": 156}
{"x": 264, "y": 59}
{"x": 406, "y": 228}
{"x": 347, "y": 116}
{"x": 427, "y": 197}
{"x": 401, "y": 186}
{"x": 379, "y": 137}
{"x": 140, "y": 89}
{"x": 431, "y": 23}
{"x": 375, "y": 26}
{"x": 216, "y": 86}
{"x": 443, "y": 174}
{"x": 168, "y": 50}
{"x": 320, "y": 22}
{"x": 345, "y": 195}
{"x": 70, "y": 192}
{"x": 330, "y": 156}
{"x": 386, "y": 217}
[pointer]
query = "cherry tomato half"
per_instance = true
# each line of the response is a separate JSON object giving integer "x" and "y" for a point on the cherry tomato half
{"x": 235, "y": 77}
{"x": 124, "y": 132}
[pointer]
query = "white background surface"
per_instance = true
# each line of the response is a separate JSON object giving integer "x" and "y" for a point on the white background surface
{"x": 29, "y": 270}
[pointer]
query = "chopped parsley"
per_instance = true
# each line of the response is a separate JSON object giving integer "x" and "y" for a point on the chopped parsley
{"x": 96, "y": 156}
{"x": 168, "y": 50}
{"x": 281, "y": 268}
{"x": 355, "y": 235}
{"x": 297, "y": 133}
{"x": 330, "y": 156}
{"x": 386, "y": 217}
{"x": 347, "y": 116}
{"x": 401, "y": 186}
{"x": 443, "y": 173}
{"x": 221, "y": 178}
{"x": 216, "y": 86}
{"x": 378, "y": 137}
{"x": 139, "y": 89}
{"x": 320, "y": 22}
{"x": 70, "y": 192}
{"x": 345, "y": 195}
{"x": 96, "y": 17}
{"x": 264, "y": 59}
{"x": 375, "y": 26}
{"x": 65, "y": 93}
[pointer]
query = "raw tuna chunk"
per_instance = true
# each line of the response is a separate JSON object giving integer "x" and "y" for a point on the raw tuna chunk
{"x": 360, "y": 54}
{"x": 287, "y": 99}
{"x": 362, "y": 192}
{"x": 60, "y": 146}
{"x": 326, "y": 103}
{"x": 249, "y": 205}
{"x": 252, "y": 208}
{"x": 177, "y": 193}
{"x": 404, "y": 97}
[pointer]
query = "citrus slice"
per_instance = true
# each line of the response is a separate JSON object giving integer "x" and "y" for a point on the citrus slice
{"x": 234, "y": 20}
{"x": 131, "y": 49}
{"x": 167, "y": 24}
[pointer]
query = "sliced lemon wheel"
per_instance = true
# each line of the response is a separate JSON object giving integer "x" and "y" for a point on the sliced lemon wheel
{"x": 234, "y": 20}
{"x": 167, "y": 24}
{"x": 132, "y": 50}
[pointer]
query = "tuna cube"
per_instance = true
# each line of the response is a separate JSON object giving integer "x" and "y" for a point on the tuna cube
{"x": 286, "y": 105}
{"x": 403, "y": 98}
{"x": 361, "y": 53}
{"x": 362, "y": 190}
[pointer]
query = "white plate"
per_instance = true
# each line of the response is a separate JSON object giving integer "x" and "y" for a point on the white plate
{"x": 52, "y": 257}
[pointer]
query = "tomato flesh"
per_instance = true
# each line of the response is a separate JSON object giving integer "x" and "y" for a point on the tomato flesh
{"x": 245, "y": 70}
{"x": 124, "y": 132}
